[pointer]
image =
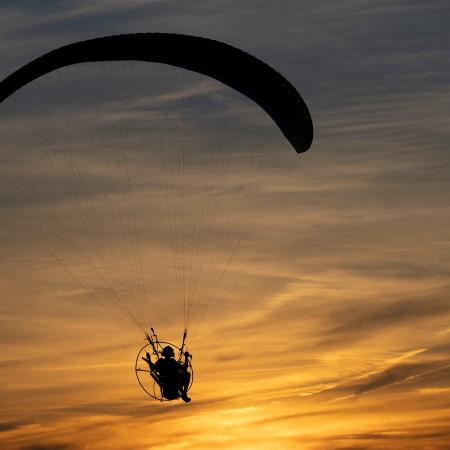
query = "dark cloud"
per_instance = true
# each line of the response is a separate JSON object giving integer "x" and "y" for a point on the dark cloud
{"x": 394, "y": 375}
{"x": 364, "y": 317}
{"x": 366, "y": 436}
{"x": 8, "y": 426}
{"x": 49, "y": 446}
{"x": 400, "y": 377}
{"x": 406, "y": 270}
{"x": 300, "y": 416}
{"x": 137, "y": 410}
{"x": 395, "y": 438}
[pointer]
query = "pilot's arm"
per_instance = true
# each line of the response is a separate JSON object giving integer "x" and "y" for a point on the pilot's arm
{"x": 148, "y": 360}
{"x": 186, "y": 360}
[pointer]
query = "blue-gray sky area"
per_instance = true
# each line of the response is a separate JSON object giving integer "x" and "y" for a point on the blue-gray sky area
{"x": 333, "y": 321}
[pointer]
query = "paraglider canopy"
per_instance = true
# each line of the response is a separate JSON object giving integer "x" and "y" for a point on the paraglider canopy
{"x": 227, "y": 64}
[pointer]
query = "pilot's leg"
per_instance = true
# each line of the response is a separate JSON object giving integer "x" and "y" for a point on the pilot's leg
{"x": 185, "y": 380}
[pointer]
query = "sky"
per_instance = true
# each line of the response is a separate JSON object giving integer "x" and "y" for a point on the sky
{"x": 331, "y": 328}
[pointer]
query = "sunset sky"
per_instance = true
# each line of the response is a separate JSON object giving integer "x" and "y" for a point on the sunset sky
{"x": 331, "y": 328}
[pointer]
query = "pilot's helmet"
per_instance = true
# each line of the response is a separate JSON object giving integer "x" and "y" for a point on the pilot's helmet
{"x": 168, "y": 352}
